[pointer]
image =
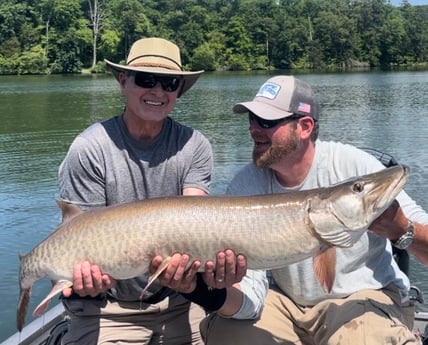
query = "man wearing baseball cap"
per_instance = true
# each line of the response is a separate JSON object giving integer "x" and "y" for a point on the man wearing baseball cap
{"x": 369, "y": 298}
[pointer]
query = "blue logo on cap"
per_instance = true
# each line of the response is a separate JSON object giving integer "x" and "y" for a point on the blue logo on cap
{"x": 268, "y": 90}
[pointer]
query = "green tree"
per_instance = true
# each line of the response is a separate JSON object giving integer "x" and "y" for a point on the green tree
{"x": 13, "y": 15}
{"x": 33, "y": 61}
{"x": 332, "y": 39}
{"x": 61, "y": 20}
{"x": 392, "y": 39}
{"x": 67, "y": 58}
{"x": 415, "y": 41}
{"x": 109, "y": 42}
{"x": 238, "y": 44}
{"x": 369, "y": 16}
{"x": 131, "y": 25}
{"x": 215, "y": 34}
{"x": 204, "y": 58}
{"x": 261, "y": 29}
{"x": 16, "y": 31}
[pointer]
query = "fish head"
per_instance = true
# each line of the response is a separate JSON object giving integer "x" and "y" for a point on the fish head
{"x": 347, "y": 209}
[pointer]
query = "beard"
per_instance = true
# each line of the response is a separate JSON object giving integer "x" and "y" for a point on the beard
{"x": 276, "y": 152}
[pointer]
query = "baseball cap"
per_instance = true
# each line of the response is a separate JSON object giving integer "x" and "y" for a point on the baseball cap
{"x": 279, "y": 97}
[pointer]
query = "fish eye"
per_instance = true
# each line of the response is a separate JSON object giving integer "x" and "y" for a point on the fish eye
{"x": 358, "y": 187}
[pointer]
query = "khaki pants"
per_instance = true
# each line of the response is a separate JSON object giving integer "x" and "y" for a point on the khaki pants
{"x": 368, "y": 317}
{"x": 173, "y": 321}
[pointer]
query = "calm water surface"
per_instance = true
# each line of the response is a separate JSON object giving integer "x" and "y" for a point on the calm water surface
{"x": 40, "y": 116}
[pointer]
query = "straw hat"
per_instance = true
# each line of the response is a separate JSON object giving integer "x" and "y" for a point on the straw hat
{"x": 157, "y": 56}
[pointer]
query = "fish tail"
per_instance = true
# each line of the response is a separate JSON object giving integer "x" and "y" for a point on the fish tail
{"x": 24, "y": 299}
{"x": 24, "y": 295}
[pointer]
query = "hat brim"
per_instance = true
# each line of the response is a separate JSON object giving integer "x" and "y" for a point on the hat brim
{"x": 263, "y": 110}
{"x": 189, "y": 77}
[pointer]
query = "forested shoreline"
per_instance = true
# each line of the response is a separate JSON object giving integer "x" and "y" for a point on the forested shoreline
{"x": 67, "y": 36}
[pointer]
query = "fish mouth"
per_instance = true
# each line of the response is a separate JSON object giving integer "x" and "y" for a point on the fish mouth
{"x": 374, "y": 194}
{"x": 388, "y": 194}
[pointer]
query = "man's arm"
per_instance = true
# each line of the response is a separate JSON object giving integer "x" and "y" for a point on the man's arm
{"x": 393, "y": 223}
{"x": 193, "y": 191}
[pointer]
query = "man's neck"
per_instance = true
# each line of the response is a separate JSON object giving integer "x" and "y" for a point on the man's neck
{"x": 143, "y": 130}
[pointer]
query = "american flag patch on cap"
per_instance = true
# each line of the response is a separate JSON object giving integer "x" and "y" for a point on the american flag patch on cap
{"x": 304, "y": 107}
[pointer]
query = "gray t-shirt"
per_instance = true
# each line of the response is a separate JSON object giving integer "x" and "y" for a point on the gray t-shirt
{"x": 368, "y": 264}
{"x": 106, "y": 166}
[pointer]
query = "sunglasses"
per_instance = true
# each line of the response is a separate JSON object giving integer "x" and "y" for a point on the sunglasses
{"x": 148, "y": 81}
{"x": 271, "y": 123}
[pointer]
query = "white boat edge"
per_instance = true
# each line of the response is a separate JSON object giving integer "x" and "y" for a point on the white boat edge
{"x": 37, "y": 331}
{"x": 421, "y": 324}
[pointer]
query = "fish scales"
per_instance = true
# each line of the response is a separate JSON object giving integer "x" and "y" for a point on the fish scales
{"x": 131, "y": 236}
{"x": 272, "y": 231}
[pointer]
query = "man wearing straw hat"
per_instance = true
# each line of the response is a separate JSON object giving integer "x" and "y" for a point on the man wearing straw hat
{"x": 142, "y": 153}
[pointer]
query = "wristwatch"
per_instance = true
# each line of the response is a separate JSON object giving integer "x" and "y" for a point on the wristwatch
{"x": 406, "y": 239}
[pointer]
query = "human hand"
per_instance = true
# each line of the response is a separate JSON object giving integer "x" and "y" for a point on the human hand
{"x": 179, "y": 275}
{"x": 228, "y": 270}
{"x": 392, "y": 223}
{"x": 88, "y": 280}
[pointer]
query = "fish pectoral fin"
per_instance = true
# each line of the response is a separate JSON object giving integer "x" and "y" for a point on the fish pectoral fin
{"x": 56, "y": 289}
{"x": 162, "y": 267}
{"x": 325, "y": 267}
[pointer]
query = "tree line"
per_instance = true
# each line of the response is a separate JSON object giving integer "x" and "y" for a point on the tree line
{"x": 66, "y": 36}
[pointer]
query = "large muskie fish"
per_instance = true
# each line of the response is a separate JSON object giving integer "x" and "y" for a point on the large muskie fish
{"x": 270, "y": 230}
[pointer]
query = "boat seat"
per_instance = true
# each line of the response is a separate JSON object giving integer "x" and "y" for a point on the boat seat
{"x": 57, "y": 333}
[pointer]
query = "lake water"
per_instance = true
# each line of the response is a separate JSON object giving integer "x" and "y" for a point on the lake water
{"x": 40, "y": 116}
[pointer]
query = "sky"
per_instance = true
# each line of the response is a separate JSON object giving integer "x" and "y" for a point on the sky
{"x": 412, "y": 2}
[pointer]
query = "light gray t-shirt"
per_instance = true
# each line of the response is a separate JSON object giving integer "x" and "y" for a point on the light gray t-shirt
{"x": 106, "y": 166}
{"x": 367, "y": 265}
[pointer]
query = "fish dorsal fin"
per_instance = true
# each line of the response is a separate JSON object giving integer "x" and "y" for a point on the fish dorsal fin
{"x": 68, "y": 210}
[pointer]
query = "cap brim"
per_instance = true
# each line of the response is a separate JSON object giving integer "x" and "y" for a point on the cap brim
{"x": 189, "y": 77}
{"x": 263, "y": 110}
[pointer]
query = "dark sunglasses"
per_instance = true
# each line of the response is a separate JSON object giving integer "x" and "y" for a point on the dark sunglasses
{"x": 271, "y": 123}
{"x": 148, "y": 81}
